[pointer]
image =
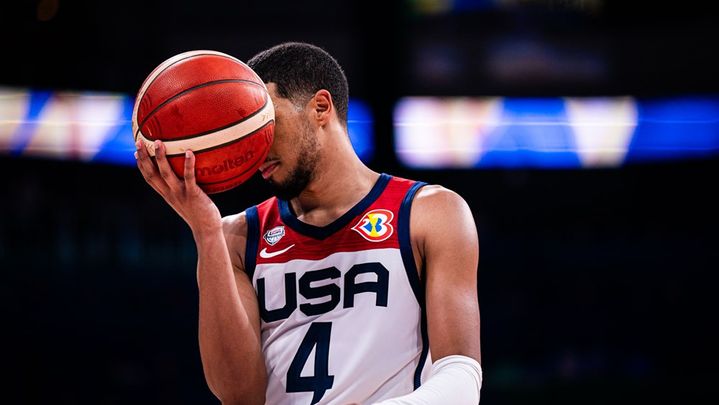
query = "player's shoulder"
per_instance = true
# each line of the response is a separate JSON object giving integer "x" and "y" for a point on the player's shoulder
{"x": 234, "y": 227}
{"x": 437, "y": 198}
{"x": 436, "y": 207}
{"x": 235, "y": 224}
{"x": 430, "y": 197}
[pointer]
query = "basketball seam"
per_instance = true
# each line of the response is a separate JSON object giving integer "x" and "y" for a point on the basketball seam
{"x": 247, "y": 136}
{"x": 142, "y": 86}
{"x": 144, "y": 89}
{"x": 216, "y": 138}
{"x": 214, "y": 82}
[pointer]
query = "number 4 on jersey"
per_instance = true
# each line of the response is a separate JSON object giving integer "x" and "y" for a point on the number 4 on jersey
{"x": 318, "y": 337}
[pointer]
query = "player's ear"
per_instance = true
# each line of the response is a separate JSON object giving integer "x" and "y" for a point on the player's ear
{"x": 322, "y": 106}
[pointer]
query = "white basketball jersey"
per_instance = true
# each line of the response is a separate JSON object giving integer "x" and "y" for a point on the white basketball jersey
{"x": 342, "y": 305}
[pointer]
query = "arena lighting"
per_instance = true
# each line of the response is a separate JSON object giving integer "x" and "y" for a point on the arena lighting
{"x": 432, "y": 132}
{"x": 434, "y": 7}
{"x": 95, "y": 127}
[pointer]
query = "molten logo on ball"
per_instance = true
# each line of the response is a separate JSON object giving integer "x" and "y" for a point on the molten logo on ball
{"x": 227, "y": 164}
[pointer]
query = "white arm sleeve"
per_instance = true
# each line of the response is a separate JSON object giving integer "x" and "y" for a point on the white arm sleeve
{"x": 455, "y": 380}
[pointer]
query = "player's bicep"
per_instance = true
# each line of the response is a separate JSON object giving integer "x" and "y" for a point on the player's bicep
{"x": 450, "y": 245}
{"x": 249, "y": 299}
{"x": 234, "y": 227}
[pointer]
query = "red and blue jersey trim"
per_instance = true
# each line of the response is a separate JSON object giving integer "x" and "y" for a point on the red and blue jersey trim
{"x": 418, "y": 285}
{"x": 323, "y": 232}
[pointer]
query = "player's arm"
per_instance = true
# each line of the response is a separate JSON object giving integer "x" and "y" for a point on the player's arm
{"x": 228, "y": 315}
{"x": 450, "y": 249}
{"x": 446, "y": 241}
{"x": 229, "y": 324}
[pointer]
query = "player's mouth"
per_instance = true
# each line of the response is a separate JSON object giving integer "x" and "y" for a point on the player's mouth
{"x": 268, "y": 168}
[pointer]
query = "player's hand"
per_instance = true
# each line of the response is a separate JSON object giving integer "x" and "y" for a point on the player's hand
{"x": 183, "y": 195}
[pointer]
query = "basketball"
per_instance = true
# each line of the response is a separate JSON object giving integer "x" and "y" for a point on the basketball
{"x": 212, "y": 104}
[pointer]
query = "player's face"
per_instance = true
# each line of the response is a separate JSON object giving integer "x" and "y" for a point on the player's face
{"x": 292, "y": 159}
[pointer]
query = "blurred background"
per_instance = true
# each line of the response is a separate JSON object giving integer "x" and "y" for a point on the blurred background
{"x": 584, "y": 134}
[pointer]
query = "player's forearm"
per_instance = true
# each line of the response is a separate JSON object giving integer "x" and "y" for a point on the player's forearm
{"x": 229, "y": 346}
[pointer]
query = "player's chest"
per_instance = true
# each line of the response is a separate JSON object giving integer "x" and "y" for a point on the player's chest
{"x": 338, "y": 282}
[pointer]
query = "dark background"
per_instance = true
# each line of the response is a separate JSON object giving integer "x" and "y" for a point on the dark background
{"x": 596, "y": 286}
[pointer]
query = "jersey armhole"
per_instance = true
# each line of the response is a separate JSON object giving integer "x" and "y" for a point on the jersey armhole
{"x": 405, "y": 247}
{"x": 253, "y": 238}
{"x": 405, "y": 242}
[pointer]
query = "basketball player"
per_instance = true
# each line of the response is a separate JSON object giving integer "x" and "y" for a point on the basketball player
{"x": 349, "y": 286}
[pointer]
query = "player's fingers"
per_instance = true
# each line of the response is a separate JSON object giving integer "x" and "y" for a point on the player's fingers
{"x": 189, "y": 169}
{"x": 165, "y": 170}
{"x": 148, "y": 169}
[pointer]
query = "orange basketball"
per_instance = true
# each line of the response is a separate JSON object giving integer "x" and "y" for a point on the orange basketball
{"x": 212, "y": 104}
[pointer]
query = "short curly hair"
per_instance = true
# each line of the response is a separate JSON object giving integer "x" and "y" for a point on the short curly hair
{"x": 300, "y": 70}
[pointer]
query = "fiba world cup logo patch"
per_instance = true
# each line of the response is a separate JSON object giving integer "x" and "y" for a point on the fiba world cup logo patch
{"x": 274, "y": 235}
{"x": 375, "y": 225}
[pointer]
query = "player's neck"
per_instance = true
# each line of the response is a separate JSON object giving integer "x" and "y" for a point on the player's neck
{"x": 341, "y": 180}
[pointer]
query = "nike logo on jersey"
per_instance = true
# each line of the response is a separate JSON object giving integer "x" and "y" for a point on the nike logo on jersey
{"x": 267, "y": 255}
